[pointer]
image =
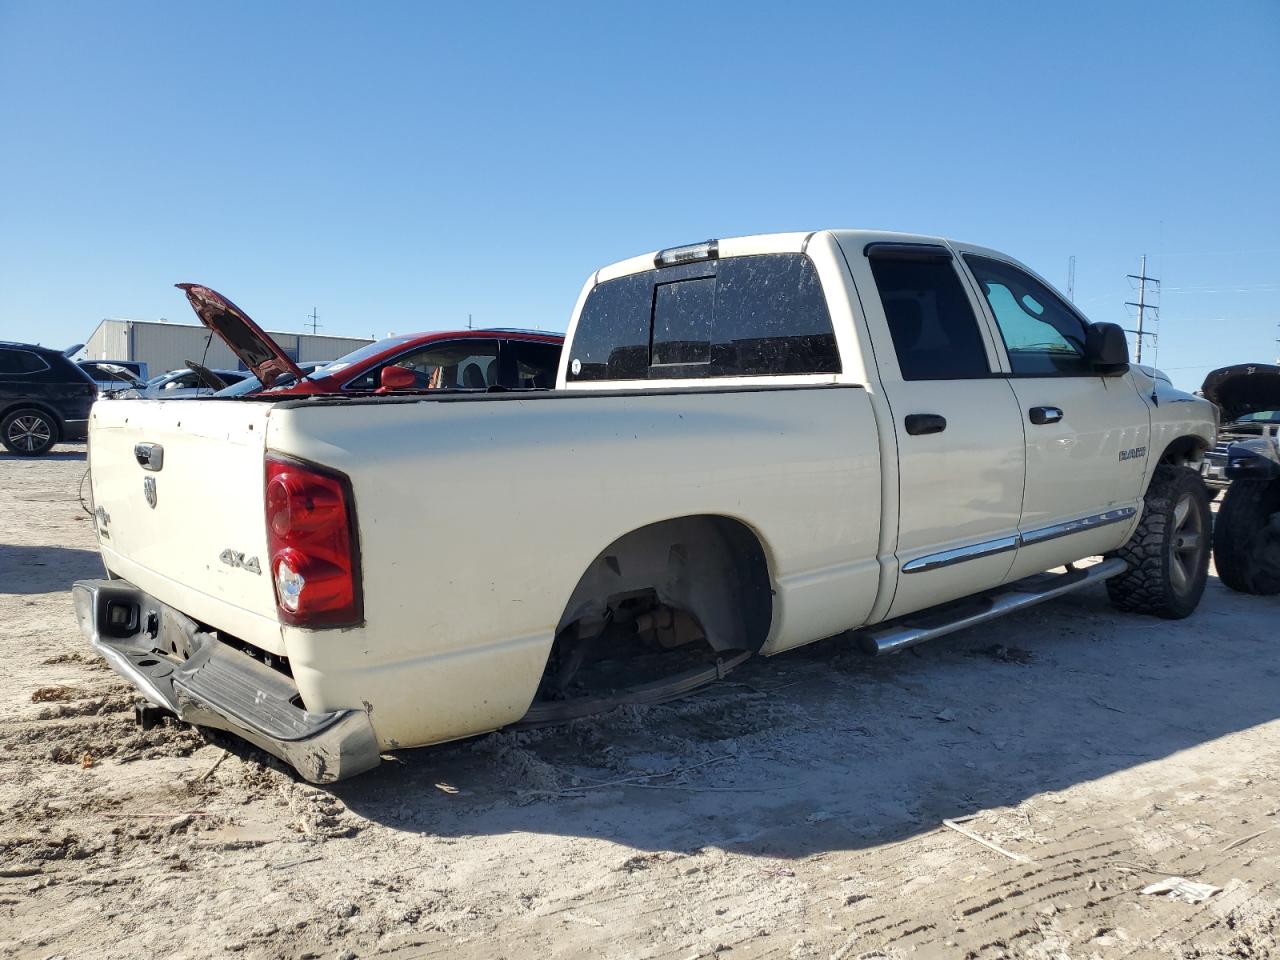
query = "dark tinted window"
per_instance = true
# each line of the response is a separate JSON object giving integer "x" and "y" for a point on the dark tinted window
{"x": 21, "y": 361}
{"x": 935, "y": 332}
{"x": 741, "y": 316}
{"x": 612, "y": 338}
{"x": 535, "y": 363}
{"x": 1041, "y": 333}
{"x": 682, "y": 316}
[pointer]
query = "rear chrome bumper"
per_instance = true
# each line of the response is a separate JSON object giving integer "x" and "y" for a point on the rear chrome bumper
{"x": 191, "y": 673}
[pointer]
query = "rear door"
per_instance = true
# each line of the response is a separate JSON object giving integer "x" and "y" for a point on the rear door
{"x": 957, "y": 424}
{"x": 1087, "y": 435}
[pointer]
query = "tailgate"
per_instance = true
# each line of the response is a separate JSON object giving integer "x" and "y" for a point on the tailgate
{"x": 178, "y": 493}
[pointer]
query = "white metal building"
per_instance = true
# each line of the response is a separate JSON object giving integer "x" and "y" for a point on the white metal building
{"x": 167, "y": 346}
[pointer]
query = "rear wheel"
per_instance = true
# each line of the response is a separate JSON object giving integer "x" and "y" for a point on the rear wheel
{"x": 1246, "y": 538}
{"x": 1168, "y": 555}
{"x": 28, "y": 433}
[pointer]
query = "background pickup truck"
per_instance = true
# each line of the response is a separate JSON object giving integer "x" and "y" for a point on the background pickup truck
{"x": 752, "y": 444}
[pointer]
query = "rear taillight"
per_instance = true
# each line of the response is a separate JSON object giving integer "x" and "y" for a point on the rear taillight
{"x": 311, "y": 539}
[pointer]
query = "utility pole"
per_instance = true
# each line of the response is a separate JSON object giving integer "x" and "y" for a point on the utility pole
{"x": 314, "y": 317}
{"x": 468, "y": 321}
{"x": 1071, "y": 278}
{"x": 1142, "y": 304}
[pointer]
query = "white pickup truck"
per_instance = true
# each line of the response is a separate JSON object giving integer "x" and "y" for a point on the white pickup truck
{"x": 752, "y": 444}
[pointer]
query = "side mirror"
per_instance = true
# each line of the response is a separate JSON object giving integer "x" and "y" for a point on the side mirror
{"x": 397, "y": 378}
{"x": 1106, "y": 348}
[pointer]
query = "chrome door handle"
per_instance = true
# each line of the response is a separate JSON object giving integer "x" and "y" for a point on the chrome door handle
{"x": 1042, "y": 415}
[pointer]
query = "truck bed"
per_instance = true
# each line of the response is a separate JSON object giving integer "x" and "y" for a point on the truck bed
{"x": 477, "y": 515}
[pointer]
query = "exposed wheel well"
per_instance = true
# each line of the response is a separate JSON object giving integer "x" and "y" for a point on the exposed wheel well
{"x": 37, "y": 405}
{"x": 712, "y": 567}
{"x": 1184, "y": 450}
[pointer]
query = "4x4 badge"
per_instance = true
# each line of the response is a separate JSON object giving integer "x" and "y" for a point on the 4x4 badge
{"x": 236, "y": 559}
{"x": 149, "y": 491}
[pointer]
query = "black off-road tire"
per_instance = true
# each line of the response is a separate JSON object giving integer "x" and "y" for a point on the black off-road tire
{"x": 1168, "y": 554}
{"x": 1246, "y": 538}
{"x": 28, "y": 432}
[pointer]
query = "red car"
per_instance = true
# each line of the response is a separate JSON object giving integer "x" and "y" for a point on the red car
{"x": 439, "y": 360}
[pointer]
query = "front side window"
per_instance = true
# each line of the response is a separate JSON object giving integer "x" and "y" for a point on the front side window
{"x": 469, "y": 364}
{"x": 1042, "y": 335}
{"x": 741, "y": 316}
{"x": 934, "y": 329}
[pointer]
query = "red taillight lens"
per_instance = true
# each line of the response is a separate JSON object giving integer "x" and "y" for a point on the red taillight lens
{"x": 311, "y": 541}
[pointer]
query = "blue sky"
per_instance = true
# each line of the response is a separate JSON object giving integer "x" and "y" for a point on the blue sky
{"x": 402, "y": 165}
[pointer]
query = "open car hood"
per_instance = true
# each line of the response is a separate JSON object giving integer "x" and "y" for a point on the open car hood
{"x": 247, "y": 340}
{"x": 1243, "y": 388}
{"x": 210, "y": 378}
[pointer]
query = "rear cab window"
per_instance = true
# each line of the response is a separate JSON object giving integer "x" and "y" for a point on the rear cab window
{"x": 745, "y": 316}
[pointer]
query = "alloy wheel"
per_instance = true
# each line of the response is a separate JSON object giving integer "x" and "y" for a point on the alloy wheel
{"x": 1189, "y": 542}
{"x": 30, "y": 433}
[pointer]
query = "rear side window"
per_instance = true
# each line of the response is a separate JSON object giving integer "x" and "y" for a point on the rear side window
{"x": 1043, "y": 336}
{"x": 535, "y": 363}
{"x": 741, "y": 316}
{"x": 21, "y": 361}
{"x": 935, "y": 333}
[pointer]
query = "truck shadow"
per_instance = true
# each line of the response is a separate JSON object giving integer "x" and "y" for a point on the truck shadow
{"x": 32, "y": 570}
{"x": 825, "y": 749}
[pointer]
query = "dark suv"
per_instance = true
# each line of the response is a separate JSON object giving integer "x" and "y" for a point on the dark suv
{"x": 44, "y": 399}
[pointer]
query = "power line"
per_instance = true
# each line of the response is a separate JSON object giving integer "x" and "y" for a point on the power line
{"x": 1143, "y": 306}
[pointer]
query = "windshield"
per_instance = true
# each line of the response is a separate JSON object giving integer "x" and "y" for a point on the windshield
{"x": 357, "y": 356}
{"x": 1261, "y": 416}
{"x": 247, "y": 385}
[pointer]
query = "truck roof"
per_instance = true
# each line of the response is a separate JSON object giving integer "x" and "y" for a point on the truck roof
{"x": 793, "y": 242}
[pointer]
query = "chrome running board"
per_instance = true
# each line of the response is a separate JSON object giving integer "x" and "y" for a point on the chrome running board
{"x": 926, "y": 624}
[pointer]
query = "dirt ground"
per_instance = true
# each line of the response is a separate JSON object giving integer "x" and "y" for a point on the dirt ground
{"x": 793, "y": 811}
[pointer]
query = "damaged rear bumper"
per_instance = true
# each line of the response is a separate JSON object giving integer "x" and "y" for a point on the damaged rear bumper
{"x": 190, "y": 672}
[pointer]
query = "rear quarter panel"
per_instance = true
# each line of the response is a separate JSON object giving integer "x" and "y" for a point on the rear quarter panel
{"x": 478, "y": 516}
